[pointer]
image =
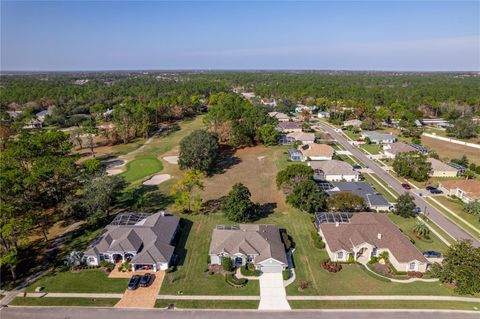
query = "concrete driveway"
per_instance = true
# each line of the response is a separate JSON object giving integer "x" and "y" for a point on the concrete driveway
{"x": 272, "y": 292}
{"x": 142, "y": 297}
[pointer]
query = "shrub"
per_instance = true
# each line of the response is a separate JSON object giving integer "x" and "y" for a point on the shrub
{"x": 330, "y": 266}
{"x": 249, "y": 270}
{"x": 304, "y": 284}
{"x": 227, "y": 264}
{"x": 373, "y": 260}
{"x": 209, "y": 260}
{"x": 350, "y": 258}
{"x": 250, "y": 267}
{"x": 317, "y": 240}
{"x": 235, "y": 282}
{"x": 415, "y": 274}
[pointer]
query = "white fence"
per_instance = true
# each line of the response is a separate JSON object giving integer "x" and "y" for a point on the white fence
{"x": 451, "y": 140}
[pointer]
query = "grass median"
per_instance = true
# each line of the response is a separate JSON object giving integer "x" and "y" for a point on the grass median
{"x": 65, "y": 302}
{"x": 383, "y": 304}
{"x": 209, "y": 304}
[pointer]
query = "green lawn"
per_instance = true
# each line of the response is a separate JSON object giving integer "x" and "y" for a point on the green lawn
{"x": 407, "y": 224}
{"x": 92, "y": 281}
{"x": 383, "y": 304}
{"x": 65, "y": 302}
{"x": 142, "y": 167}
{"x": 353, "y": 136}
{"x": 191, "y": 278}
{"x": 209, "y": 304}
{"x": 456, "y": 206}
{"x": 372, "y": 148}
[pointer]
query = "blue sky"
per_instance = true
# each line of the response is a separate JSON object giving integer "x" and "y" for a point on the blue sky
{"x": 388, "y": 35}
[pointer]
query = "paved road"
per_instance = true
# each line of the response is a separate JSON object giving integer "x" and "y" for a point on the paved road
{"x": 109, "y": 313}
{"x": 446, "y": 224}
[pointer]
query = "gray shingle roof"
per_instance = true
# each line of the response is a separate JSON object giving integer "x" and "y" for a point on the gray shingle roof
{"x": 362, "y": 189}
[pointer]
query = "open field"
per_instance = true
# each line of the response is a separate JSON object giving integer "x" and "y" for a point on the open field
{"x": 448, "y": 151}
{"x": 89, "y": 280}
{"x": 209, "y": 304}
{"x": 383, "y": 304}
{"x": 65, "y": 302}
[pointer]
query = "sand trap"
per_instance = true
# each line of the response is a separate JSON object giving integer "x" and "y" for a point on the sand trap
{"x": 171, "y": 159}
{"x": 115, "y": 163}
{"x": 157, "y": 179}
{"x": 261, "y": 157}
{"x": 114, "y": 171}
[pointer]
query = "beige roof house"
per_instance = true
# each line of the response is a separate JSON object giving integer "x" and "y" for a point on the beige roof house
{"x": 259, "y": 244}
{"x": 440, "y": 169}
{"x": 281, "y": 117}
{"x": 391, "y": 150}
{"x": 467, "y": 190}
{"x": 303, "y": 137}
{"x": 334, "y": 170}
{"x": 288, "y": 126}
{"x": 316, "y": 152}
{"x": 355, "y": 123}
{"x": 368, "y": 234}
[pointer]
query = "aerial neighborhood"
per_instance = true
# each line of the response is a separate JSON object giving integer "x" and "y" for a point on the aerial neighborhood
{"x": 234, "y": 198}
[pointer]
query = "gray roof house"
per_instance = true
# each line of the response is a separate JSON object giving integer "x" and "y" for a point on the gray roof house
{"x": 379, "y": 138}
{"x": 372, "y": 198}
{"x": 144, "y": 240}
{"x": 245, "y": 243}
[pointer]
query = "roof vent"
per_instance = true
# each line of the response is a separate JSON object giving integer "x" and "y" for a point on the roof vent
{"x": 379, "y": 236}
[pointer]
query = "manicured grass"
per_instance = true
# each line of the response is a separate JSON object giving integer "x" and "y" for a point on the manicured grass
{"x": 353, "y": 136}
{"x": 142, "y": 167}
{"x": 456, "y": 206}
{"x": 407, "y": 225}
{"x": 90, "y": 280}
{"x": 190, "y": 277}
{"x": 383, "y": 304}
{"x": 379, "y": 188}
{"x": 65, "y": 302}
{"x": 209, "y": 304}
{"x": 371, "y": 148}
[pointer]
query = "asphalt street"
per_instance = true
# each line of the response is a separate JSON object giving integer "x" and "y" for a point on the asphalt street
{"x": 117, "y": 313}
{"x": 445, "y": 223}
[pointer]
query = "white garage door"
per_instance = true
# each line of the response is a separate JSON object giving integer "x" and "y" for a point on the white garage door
{"x": 271, "y": 269}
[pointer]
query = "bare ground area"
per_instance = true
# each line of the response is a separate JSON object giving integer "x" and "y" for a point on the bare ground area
{"x": 449, "y": 151}
{"x": 255, "y": 168}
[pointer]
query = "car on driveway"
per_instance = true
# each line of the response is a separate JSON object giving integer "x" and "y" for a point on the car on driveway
{"x": 357, "y": 166}
{"x": 435, "y": 191}
{"x": 406, "y": 186}
{"x": 133, "y": 283}
{"x": 429, "y": 187}
{"x": 432, "y": 254}
{"x": 146, "y": 280}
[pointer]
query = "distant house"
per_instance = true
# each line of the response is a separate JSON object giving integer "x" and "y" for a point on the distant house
{"x": 468, "y": 190}
{"x": 249, "y": 243}
{"x": 304, "y": 138}
{"x": 14, "y": 114}
{"x": 334, "y": 171}
{"x": 146, "y": 241}
{"x": 287, "y": 127}
{"x": 354, "y": 123}
{"x": 281, "y": 117}
{"x": 440, "y": 169}
{"x": 378, "y": 138}
{"x": 316, "y": 152}
{"x": 322, "y": 115}
{"x": 391, "y": 150}
{"x": 367, "y": 235}
{"x": 372, "y": 198}
{"x": 300, "y": 108}
{"x": 33, "y": 123}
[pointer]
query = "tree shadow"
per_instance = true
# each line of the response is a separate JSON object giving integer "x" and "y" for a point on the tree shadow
{"x": 144, "y": 198}
{"x": 180, "y": 241}
{"x": 264, "y": 210}
{"x": 226, "y": 159}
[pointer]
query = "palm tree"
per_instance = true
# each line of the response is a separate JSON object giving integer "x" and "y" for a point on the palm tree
{"x": 421, "y": 229}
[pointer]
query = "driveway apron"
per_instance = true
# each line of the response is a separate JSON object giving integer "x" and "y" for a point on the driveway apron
{"x": 272, "y": 292}
{"x": 142, "y": 297}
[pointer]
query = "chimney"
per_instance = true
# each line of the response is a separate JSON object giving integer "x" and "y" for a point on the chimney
{"x": 379, "y": 236}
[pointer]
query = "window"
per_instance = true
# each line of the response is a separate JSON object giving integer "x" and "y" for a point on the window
{"x": 340, "y": 255}
{"x": 412, "y": 266}
{"x": 91, "y": 259}
{"x": 102, "y": 257}
{"x": 374, "y": 252}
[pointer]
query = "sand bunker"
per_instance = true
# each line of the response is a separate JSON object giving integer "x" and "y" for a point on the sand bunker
{"x": 261, "y": 157}
{"x": 171, "y": 159}
{"x": 115, "y": 163}
{"x": 157, "y": 179}
{"x": 114, "y": 171}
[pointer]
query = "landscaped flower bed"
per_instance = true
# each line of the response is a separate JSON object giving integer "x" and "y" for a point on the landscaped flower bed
{"x": 235, "y": 282}
{"x": 331, "y": 266}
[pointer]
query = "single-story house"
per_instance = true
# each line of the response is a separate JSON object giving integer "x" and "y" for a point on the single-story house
{"x": 316, "y": 152}
{"x": 354, "y": 123}
{"x": 281, "y": 117}
{"x": 322, "y": 115}
{"x": 245, "y": 243}
{"x": 367, "y": 235}
{"x": 440, "y": 169}
{"x": 145, "y": 240}
{"x": 391, "y": 150}
{"x": 378, "y": 138}
{"x": 422, "y": 149}
{"x": 300, "y": 108}
{"x": 334, "y": 171}
{"x": 372, "y": 198}
{"x": 303, "y": 137}
{"x": 468, "y": 190}
{"x": 287, "y": 127}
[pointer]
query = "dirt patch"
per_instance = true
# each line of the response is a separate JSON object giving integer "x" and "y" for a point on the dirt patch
{"x": 157, "y": 179}
{"x": 253, "y": 169}
{"x": 449, "y": 151}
